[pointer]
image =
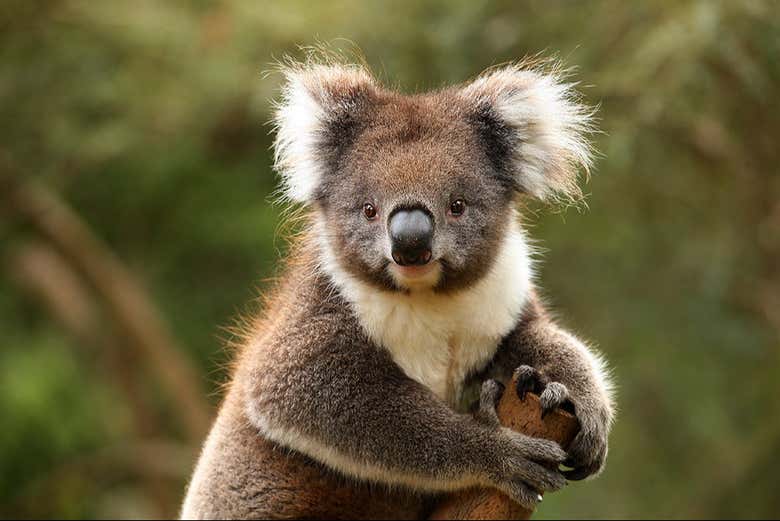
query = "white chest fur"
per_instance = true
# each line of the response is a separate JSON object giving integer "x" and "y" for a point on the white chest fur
{"x": 439, "y": 339}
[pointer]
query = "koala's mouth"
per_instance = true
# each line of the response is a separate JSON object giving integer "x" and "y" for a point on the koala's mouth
{"x": 426, "y": 275}
{"x": 415, "y": 272}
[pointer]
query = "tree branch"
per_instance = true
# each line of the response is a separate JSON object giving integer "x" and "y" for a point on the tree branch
{"x": 126, "y": 301}
{"x": 525, "y": 417}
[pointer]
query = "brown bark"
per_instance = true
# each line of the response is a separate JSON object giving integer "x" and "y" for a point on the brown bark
{"x": 522, "y": 416}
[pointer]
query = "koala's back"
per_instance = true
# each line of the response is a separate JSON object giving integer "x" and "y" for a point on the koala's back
{"x": 241, "y": 475}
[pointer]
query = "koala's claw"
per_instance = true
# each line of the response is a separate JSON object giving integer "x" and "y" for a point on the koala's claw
{"x": 489, "y": 395}
{"x": 528, "y": 380}
{"x": 587, "y": 454}
{"x": 524, "y": 494}
{"x": 536, "y": 473}
{"x": 555, "y": 395}
{"x": 528, "y": 464}
{"x": 551, "y": 394}
{"x": 528, "y": 480}
{"x": 580, "y": 473}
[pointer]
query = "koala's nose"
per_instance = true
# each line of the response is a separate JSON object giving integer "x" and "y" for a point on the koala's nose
{"x": 411, "y": 235}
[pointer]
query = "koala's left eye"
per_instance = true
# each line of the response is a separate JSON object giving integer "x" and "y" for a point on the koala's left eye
{"x": 369, "y": 211}
{"x": 457, "y": 207}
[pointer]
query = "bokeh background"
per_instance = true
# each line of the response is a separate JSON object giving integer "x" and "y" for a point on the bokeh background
{"x": 136, "y": 221}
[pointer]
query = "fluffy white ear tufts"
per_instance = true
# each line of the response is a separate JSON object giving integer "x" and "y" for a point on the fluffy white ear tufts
{"x": 547, "y": 123}
{"x": 313, "y": 96}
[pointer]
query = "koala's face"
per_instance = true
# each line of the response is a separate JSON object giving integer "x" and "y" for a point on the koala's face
{"x": 414, "y": 201}
{"x": 417, "y": 192}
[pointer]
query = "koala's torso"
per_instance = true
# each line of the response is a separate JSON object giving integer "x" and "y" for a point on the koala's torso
{"x": 243, "y": 475}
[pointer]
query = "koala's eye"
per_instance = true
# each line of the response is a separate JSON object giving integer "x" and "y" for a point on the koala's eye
{"x": 457, "y": 207}
{"x": 369, "y": 211}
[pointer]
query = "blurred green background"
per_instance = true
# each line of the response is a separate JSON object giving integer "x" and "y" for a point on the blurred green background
{"x": 136, "y": 223}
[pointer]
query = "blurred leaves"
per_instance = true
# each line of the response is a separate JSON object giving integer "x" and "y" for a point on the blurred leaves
{"x": 148, "y": 117}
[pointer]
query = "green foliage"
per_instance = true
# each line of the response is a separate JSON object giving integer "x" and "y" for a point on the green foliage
{"x": 149, "y": 118}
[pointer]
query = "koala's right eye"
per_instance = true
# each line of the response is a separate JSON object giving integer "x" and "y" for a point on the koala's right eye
{"x": 369, "y": 211}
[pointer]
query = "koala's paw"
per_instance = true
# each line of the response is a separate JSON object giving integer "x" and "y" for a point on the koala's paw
{"x": 528, "y": 466}
{"x": 588, "y": 452}
{"x": 523, "y": 466}
{"x": 552, "y": 395}
{"x": 490, "y": 394}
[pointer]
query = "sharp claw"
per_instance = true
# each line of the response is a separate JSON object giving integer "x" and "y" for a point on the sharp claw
{"x": 577, "y": 474}
{"x": 500, "y": 393}
{"x": 570, "y": 475}
{"x": 554, "y": 396}
{"x": 528, "y": 379}
{"x": 489, "y": 396}
{"x": 491, "y": 393}
{"x": 548, "y": 405}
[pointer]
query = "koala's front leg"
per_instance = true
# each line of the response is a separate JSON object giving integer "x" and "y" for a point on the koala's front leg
{"x": 350, "y": 407}
{"x": 556, "y": 365}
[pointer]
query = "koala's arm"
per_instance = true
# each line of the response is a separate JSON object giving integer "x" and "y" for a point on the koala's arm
{"x": 344, "y": 402}
{"x": 565, "y": 372}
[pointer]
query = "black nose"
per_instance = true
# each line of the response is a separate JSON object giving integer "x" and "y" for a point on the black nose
{"x": 411, "y": 235}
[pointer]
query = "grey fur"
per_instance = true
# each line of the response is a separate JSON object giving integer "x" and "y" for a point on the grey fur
{"x": 369, "y": 440}
{"x": 539, "y": 343}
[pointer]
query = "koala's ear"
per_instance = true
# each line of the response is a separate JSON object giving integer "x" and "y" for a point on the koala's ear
{"x": 318, "y": 114}
{"x": 536, "y": 120}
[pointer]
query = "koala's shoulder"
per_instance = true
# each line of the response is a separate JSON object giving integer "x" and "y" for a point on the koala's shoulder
{"x": 305, "y": 317}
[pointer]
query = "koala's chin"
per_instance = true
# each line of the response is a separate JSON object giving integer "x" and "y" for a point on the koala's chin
{"x": 416, "y": 278}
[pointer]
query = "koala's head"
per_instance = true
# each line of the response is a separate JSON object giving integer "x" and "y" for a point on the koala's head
{"x": 415, "y": 192}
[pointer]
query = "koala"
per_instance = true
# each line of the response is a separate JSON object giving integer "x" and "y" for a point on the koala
{"x": 408, "y": 296}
